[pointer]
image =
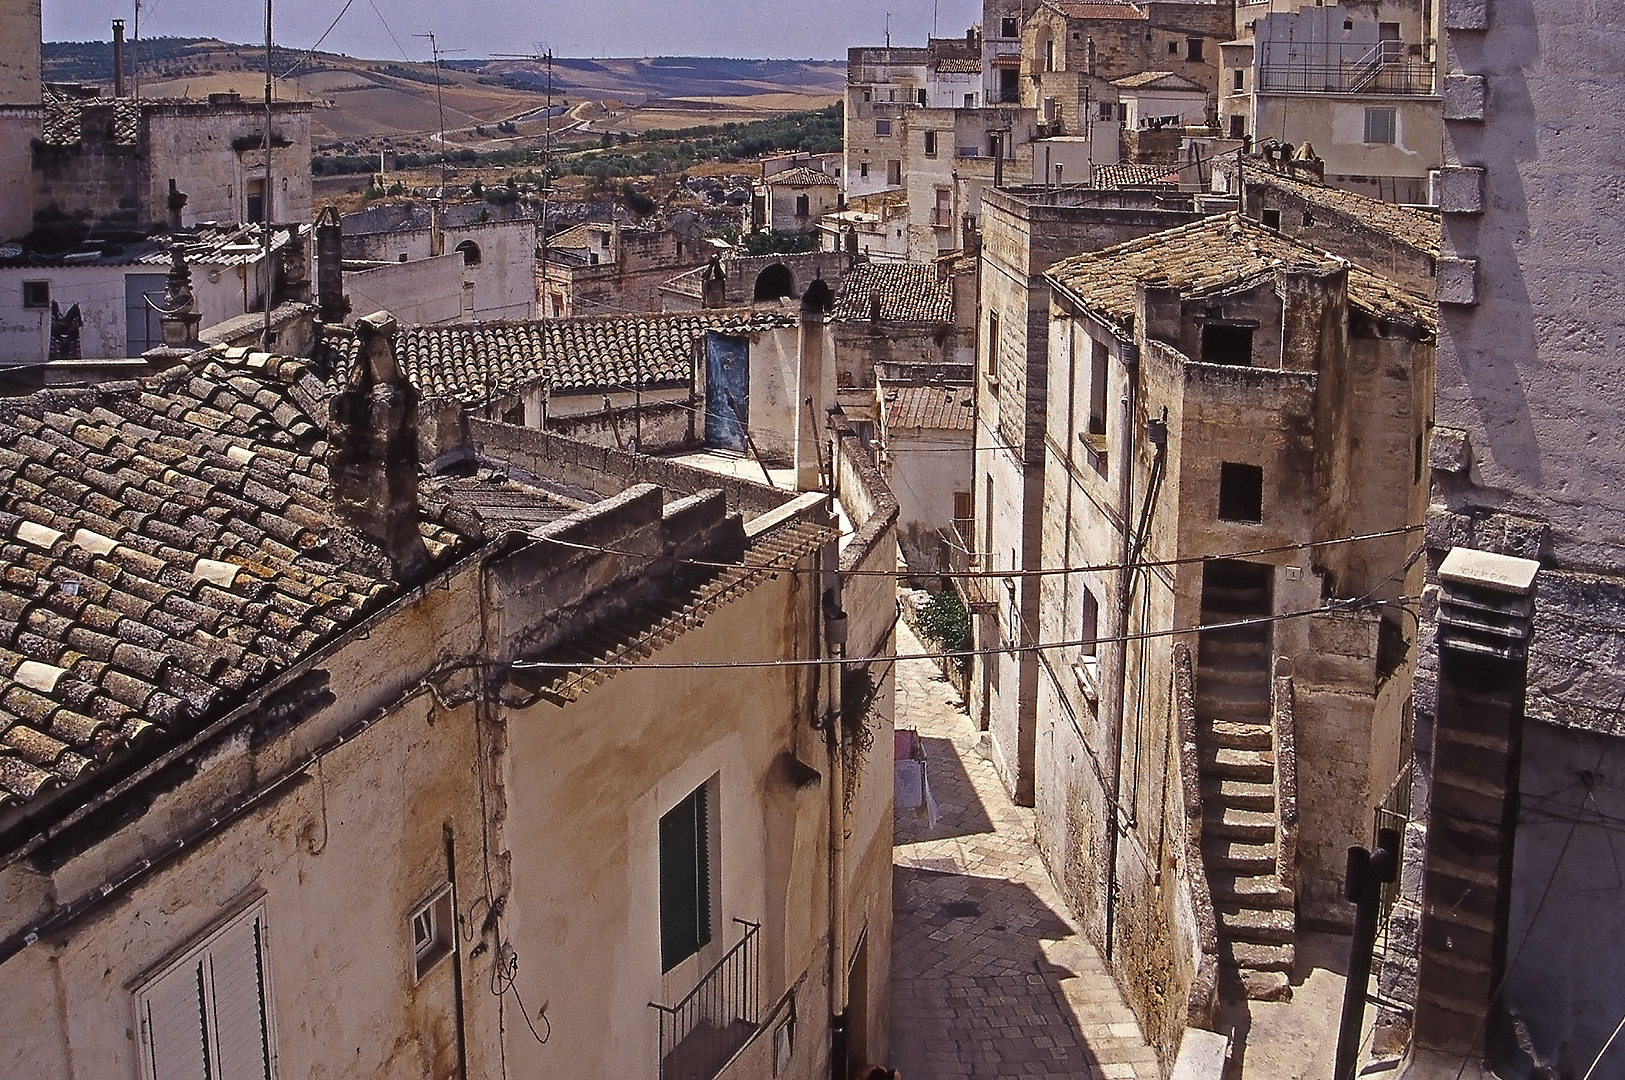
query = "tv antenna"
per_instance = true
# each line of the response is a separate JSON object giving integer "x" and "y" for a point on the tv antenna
{"x": 542, "y": 55}
{"x": 439, "y": 99}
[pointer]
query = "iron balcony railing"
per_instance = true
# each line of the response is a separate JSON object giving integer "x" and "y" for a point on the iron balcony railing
{"x": 702, "y": 1032}
{"x": 1382, "y": 70}
{"x": 1393, "y": 813}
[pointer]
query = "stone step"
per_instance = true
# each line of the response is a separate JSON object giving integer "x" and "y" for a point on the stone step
{"x": 1237, "y": 856}
{"x": 1242, "y": 794}
{"x": 1245, "y": 954}
{"x": 1237, "y": 735}
{"x": 1262, "y": 891}
{"x": 1212, "y": 701}
{"x": 1235, "y": 668}
{"x": 1223, "y": 597}
{"x": 1263, "y": 985}
{"x": 1230, "y": 650}
{"x": 1234, "y": 823}
{"x": 1270, "y": 926}
{"x": 1222, "y": 762}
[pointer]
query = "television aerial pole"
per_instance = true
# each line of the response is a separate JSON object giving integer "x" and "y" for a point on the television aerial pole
{"x": 439, "y": 99}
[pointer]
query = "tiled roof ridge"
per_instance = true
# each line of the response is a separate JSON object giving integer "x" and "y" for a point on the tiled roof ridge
{"x": 1367, "y": 288}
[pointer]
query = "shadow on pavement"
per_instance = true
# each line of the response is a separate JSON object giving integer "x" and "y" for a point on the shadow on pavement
{"x": 962, "y": 811}
{"x": 973, "y": 994}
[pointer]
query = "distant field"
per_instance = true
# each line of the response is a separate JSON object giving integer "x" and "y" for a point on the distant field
{"x": 368, "y": 104}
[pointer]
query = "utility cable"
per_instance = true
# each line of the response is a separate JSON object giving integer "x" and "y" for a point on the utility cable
{"x": 1031, "y": 647}
{"x": 1047, "y": 571}
{"x": 312, "y": 50}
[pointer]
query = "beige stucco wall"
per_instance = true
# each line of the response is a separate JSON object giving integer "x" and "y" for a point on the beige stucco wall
{"x": 20, "y": 52}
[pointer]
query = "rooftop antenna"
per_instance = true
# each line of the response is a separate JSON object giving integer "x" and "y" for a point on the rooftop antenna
{"x": 439, "y": 102}
{"x": 135, "y": 56}
{"x": 545, "y": 54}
{"x": 888, "y": 29}
{"x": 265, "y": 199}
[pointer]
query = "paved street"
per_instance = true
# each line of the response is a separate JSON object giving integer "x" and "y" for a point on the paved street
{"x": 989, "y": 976}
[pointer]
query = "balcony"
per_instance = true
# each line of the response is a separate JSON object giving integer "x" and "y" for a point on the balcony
{"x": 965, "y": 566}
{"x": 1383, "y": 70}
{"x": 701, "y": 1033}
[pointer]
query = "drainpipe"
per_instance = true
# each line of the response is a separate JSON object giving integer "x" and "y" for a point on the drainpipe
{"x": 835, "y": 638}
{"x": 1129, "y": 353}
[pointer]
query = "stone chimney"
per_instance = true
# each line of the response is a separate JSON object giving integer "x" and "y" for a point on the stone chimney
{"x": 714, "y": 284}
{"x": 372, "y": 453}
{"x": 815, "y": 360}
{"x": 118, "y": 58}
{"x": 876, "y": 298}
{"x": 330, "y": 267}
{"x": 180, "y": 317}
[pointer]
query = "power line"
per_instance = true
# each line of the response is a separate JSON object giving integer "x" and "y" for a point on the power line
{"x": 312, "y": 50}
{"x": 1047, "y": 571}
{"x": 1033, "y": 647}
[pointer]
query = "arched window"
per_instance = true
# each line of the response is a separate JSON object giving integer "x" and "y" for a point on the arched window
{"x": 471, "y": 252}
{"x": 774, "y": 282}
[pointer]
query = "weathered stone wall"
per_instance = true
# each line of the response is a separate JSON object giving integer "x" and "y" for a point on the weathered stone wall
{"x": 20, "y": 57}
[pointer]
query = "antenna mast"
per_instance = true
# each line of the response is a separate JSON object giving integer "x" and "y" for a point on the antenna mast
{"x": 440, "y": 103}
{"x": 265, "y": 199}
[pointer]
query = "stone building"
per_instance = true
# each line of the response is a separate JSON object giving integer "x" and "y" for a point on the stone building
{"x": 1230, "y": 450}
{"x": 21, "y": 94}
{"x": 1025, "y": 232}
{"x": 437, "y": 264}
{"x": 1511, "y": 907}
{"x": 106, "y": 299}
{"x": 925, "y": 434}
{"x": 605, "y": 268}
{"x": 1398, "y": 242}
{"x": 311, "y": 761}
{"x": 1355, "y": 82}
{"x": 792, "y": 201}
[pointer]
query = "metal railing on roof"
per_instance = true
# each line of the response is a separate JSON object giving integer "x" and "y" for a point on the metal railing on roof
{"x": 1382, "y": 70}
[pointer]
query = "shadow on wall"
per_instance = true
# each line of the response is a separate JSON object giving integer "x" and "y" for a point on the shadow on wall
{"x": 975, "y": 989}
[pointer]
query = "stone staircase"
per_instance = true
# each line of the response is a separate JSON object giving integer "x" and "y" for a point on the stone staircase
{"x": 1241, "y": 829}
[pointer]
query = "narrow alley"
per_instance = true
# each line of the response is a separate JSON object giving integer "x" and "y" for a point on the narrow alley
{"x": 990, "y": 978}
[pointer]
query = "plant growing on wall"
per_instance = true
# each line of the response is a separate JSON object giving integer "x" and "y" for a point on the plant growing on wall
{"x": 946, "y": 623}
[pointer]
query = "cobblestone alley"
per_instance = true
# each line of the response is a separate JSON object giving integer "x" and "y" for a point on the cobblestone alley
{"x": 989, "y": 976}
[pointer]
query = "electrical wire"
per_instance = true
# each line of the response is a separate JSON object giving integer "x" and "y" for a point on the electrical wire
{"x": 1049, "y": 571}
{"x": 312, "y": 50}
{"x": 1030, "y": 647}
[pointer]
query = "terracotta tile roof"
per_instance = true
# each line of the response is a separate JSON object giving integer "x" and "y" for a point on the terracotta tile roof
{"x": 1097, "y": 10}
{"x": 164, "y": 553}
{"x": 943, "y": 408}
{"x": 1129, "y": 174}
{"x": 909, "y": 292}
{"x": 62, "y": 115}
{"x": 205, "y": 245}
{"x": 468, "y": 361}
{"x": 1217, "y": 253}
{"x": 801, "y": 176}
{"x": 1414, "y": 227}
{"x": 1162, "y": 80}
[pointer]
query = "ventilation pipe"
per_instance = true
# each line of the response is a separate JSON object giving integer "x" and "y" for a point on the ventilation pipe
{"x": 118, "y": 58}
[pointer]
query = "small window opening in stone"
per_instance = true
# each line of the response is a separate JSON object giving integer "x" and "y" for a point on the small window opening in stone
{"x": 1270, "y": 218}
{"x": 1227, "y": 343}
{"x": 1241, "y": 492}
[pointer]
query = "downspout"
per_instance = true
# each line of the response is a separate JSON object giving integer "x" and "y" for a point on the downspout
{"x": 456, "y": 954}
{"x": 1129, "y": 353}
{"x": 835, "y": 637}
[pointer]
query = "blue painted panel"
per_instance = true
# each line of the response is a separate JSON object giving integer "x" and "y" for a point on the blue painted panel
{"x": 727, "y": 391}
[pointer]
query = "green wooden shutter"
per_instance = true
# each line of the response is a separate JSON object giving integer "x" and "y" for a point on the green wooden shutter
{"x": 685, "y": 881}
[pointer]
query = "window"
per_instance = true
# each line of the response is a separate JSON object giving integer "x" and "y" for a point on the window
{"x": 471, "y": 252}
{"x": 1173, "y": 48}
{"x": 1238, "y": 126}
{"x": 970, "y": 101}
{"x": 882, "y": 127}
{"x": 863, "y": 169}
{"x": 1097, "y": 389}
{"x": 894, "y": 173}
{"x": 1106, "y": 110}
{"x": 1227, "y": 343}
{"x": 801, "y": 206}
{"x": 255, "y": 195}
{"x": 1271, "y": 219}
{"x": 991, "y": 360}
{"x": 36, "y": 294}
{"x": 1193, "y": 48}
{"x": 1240, "y": 75}
{"x": 930, "y": 144}
{"x": 1089, "y": 624}
{"x": 1379, "y": 125}
{"x": 685, "y": 879}
{"x": 205, "y": 1014}
{"x": 1241, "y": 492}
{"x": 432, "y": 923}
{"x": 1049, "y": 55}
{"x": 1007, "y": 27}
{"x": 868, "y": 95}
{"x": 919, "y": 96}
{"x": 942, "y": 214}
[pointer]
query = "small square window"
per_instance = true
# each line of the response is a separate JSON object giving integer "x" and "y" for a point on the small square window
{"x": 1379, "y": 125}
{"x": 1007, "y": 27}
{"x": 36, "y": 294}
{"x": 882, "y": 127}
{"x": 432, "y": 931}
{"x": 1193, "y": 48}
{"x": 1227, "y": 343}
{"x": 1241, "y": 492}
{"x": 1271, "y": 219}
{"x": 1173, "y": 48}
{"x": 868, "y": 95}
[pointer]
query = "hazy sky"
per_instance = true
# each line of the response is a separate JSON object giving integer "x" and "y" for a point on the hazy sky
{"x": 822, "y": 29}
